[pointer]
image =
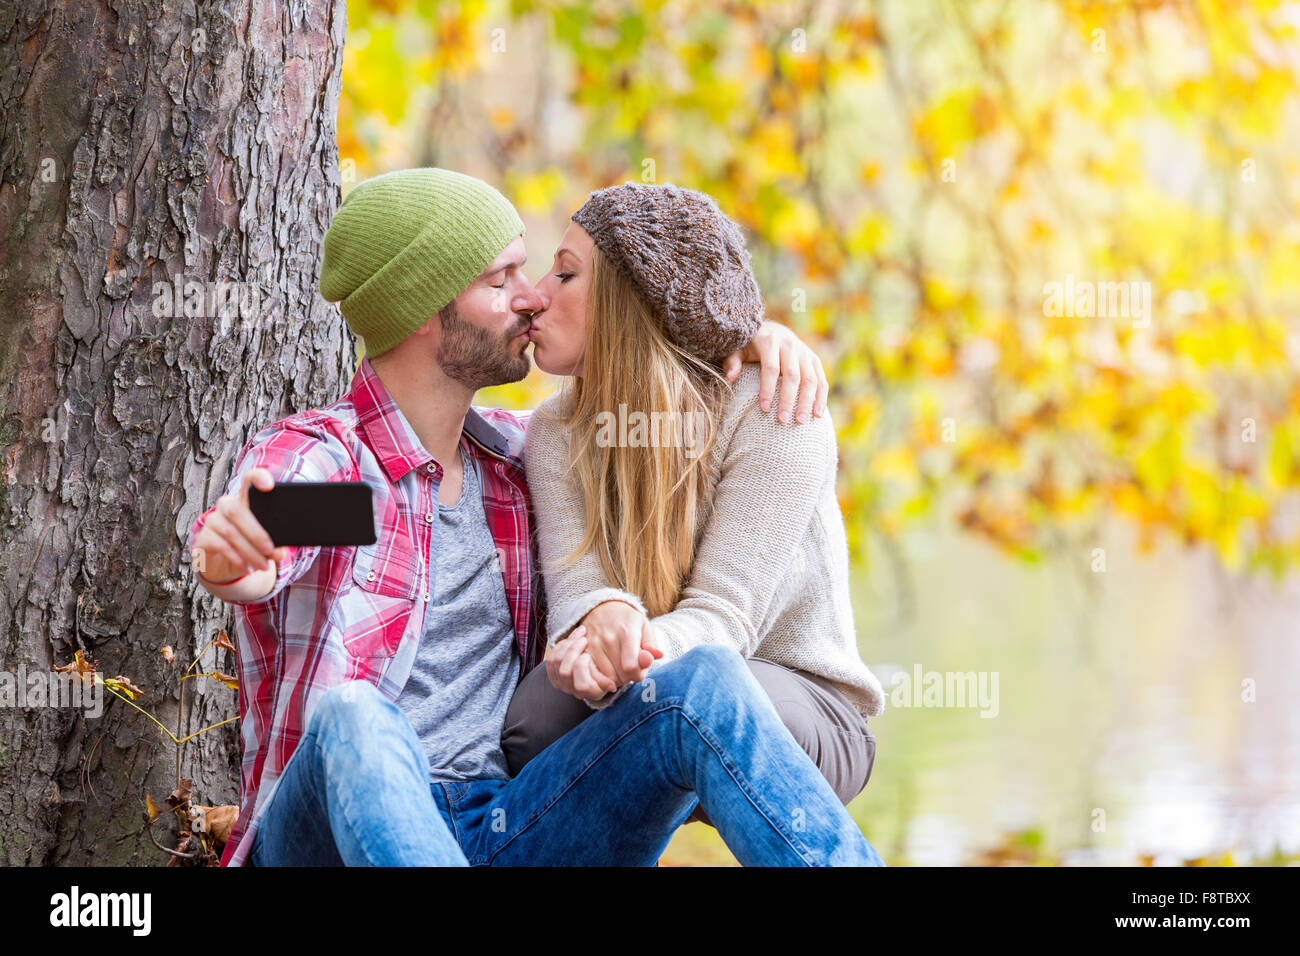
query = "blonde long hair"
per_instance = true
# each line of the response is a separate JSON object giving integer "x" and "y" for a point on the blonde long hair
{"x": 642, "y": 503}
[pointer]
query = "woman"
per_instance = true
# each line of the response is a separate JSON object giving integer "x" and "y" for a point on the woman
{"x": 671, "y": 510}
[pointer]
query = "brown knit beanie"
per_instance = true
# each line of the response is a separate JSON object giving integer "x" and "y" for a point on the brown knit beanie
{"x": 686, "y": 259}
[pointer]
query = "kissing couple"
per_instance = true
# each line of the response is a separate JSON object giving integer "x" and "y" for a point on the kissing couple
{"x": 561, "y": 646}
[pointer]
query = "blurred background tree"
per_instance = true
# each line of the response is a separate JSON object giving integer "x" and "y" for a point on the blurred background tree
{"x": 913, "y": 175}
{"x": 920, "y": 181}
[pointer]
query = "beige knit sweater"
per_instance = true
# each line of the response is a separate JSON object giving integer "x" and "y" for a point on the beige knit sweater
{"x": 771, "y": 571}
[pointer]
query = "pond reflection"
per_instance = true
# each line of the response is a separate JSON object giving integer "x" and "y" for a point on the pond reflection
{"x": 1144, "y": 714}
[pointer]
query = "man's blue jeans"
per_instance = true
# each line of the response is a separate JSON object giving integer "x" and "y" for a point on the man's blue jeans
{"x": 610, "y": 792}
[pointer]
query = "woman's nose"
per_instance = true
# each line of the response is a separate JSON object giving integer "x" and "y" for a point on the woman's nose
{"x": 534, "y": 300}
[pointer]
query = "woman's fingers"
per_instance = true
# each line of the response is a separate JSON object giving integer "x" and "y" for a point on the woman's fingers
{"x": 584, "y": 685}
{"x": 769, "y": 369}
{"x": 807, "y": 394}
{"x": 823, "y": 387}
{"x": 648, "y": 640}
{"x": 588, "y": 681}
{"x": 575, "y": 663}
{"x": 607, "y": 685}
{"x": 572, "y": 671}
{"x": 629, "y": 650}
{"x": 790, "y": 377}
{"x": 601, "y": 658}
{"x": 731, "y": 366}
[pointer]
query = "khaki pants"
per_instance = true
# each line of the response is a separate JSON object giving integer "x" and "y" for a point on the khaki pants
{"x": 832, "y": 732}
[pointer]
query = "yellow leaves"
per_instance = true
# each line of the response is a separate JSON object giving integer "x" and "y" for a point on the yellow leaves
{"x": 457, "y": 43}
{"x": 1226, "y": 342}
{"x": 859, "y": 420}
{"x": 1284, "y": 456}
{"x": 870, "y": 233}
{"x": 897, "y": 463}
{"x": 761, "y": 61}
{"x": 1111, "y": 161}
{"x": 805, "y": 69}
{"x": 1158, "y": 463}
{"x": 123, "y": 686}
{"x": 1282, "y": 264}
{"x": 948, "y": 126}
{"x": 375, "y": 54}
{"x": 1039, "y": 231}
{"x": 798, "y": 221}
{"x": 774, "y": 143}
{"x": 535, "y": 193}
{"x": 1124, "y": 103}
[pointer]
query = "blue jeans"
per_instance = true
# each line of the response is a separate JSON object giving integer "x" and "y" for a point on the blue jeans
{"x": 612, "y": 791}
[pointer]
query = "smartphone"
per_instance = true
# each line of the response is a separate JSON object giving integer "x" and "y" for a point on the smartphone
{"x": 305, "y": 513}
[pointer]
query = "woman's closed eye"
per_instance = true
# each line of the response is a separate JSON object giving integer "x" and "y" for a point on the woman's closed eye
{"x": 564, "y": 276}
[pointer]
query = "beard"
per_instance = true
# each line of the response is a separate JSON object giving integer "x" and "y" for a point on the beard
{"x": 475, "y": 357}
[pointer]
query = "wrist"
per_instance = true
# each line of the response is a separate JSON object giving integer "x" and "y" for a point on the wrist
{"x": 220, "y": 583}
{"x": 615, "y": 600}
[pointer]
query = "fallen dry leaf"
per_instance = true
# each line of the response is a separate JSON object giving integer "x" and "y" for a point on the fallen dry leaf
{"x": 221, "y": 640}
{"x": 214, "y": 821}
{"x": 79, "y": 665}
{"x": 179, "y": 799}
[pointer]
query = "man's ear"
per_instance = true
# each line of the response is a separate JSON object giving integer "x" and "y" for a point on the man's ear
{"x": 430, "y": 326}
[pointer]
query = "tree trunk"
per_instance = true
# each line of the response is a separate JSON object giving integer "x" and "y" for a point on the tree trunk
{"x": 147, "y": 147}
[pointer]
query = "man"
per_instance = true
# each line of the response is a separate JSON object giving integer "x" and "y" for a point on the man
{"x": 374, "y": 680}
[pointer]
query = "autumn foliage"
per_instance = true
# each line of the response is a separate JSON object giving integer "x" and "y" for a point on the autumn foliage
{"x": 914, "y": 174}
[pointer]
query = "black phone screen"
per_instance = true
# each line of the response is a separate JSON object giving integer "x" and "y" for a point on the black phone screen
{"x": 305, "y": 513}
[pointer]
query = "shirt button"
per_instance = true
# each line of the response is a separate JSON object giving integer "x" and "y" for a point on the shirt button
{"x": 426, "y": 595}
{"x": 431, "y": 468}
{"x": 429, "y": 517}
{"x": 370, "y": 576}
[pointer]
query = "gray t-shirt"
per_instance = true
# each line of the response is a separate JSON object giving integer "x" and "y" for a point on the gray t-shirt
{"x": 466, "y": 668}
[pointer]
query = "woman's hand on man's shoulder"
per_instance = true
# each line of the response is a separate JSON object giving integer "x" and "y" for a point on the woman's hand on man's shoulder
{"x": 782, "y": 354}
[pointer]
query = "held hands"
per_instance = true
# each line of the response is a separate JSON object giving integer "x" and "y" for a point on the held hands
{"x": 231, "y": 542}
{"x": 611, "y": 647}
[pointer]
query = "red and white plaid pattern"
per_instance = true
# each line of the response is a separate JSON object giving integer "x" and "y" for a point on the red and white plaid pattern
{"x": 354, "y": 613}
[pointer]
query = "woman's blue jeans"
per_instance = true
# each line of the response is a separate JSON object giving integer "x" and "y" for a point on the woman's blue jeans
{"x": 612, "y": 791}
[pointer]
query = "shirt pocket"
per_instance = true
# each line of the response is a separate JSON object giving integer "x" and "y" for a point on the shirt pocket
{"x": 386, "y": 583}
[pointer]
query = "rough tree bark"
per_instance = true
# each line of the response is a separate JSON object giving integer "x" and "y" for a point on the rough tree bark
{"x": 144, "y": 140}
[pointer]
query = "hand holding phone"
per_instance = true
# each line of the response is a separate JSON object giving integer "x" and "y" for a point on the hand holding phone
{"x": 232, "y": 543}
{"x": 248, "y": 531}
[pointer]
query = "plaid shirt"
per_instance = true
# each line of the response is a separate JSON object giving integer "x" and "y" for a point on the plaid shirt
{"x": 355, "y": 613}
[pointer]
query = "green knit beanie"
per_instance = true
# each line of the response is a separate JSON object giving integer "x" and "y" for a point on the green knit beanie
{"x": 404, "y": 244}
